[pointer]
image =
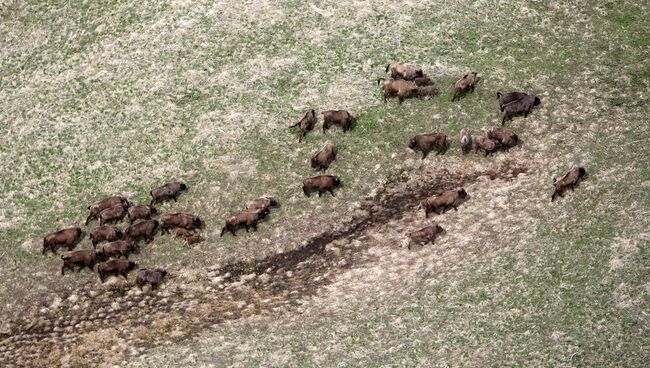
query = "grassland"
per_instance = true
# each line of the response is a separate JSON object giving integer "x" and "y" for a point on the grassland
{"x": 100, "y": 98}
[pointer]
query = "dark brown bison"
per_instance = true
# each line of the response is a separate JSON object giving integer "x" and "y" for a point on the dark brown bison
{"x": 425, "y": 235}
{"x": 245, "y": 219}
{"x": 151, "y": 277}
{"x": 104, "y": 233}
{"x": 570, "y": 180}
{"x": 142, "y": 230}
{"x": 321, "y": 183}
{"x": 425, "y": 143}
{"x": 486, "y": 144}
{"x": 506, "y": 98}
{"x": 117, "y": 249}
{"x": 440, "y": 204}
{"x": 63, "y": 238}
{"x": 422, "y": 81}
{"x": 504, "y": 136}
{"x": 169, "y": 190}
{"x": 186, "y": 221}
{"x": 324, "y": 157}
{"x": 99, "y": 206}
{"x": 306, "y": 124}
{"x": 518, "y": 107}
{"x": 464, "y": 84}
{"x": 341, "y": 118}
{"x": 404, "y": 71}
{"x": 115, "y": 268}
{"x": 427, "y": 91}
{"x": 79, "y": 258}
{"x": 401, "y": 88}
{"x": 143, "y": 212}
{"x": 465, "y": 138}
{"x": 112, "y": 214}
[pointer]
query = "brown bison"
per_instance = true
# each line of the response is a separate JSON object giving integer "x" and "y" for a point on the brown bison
{"x": 112, "y": 214}
{"x": 427, "y": 91}
{"x": 151, "y": 277}
{"x": 99, "y": 206}
{"x": 401, "y": 88}
{"x": 263, "y": 204}
{"x": 79, "y": 258}
{"x": 440, "y": 204}
{"x": 422, "y": 81}
{"x": 115, "y": 268}
{"x": 306, "y": 124}
{"x": 243, "y": 220}
{"x": 321, "y": 183}
{"x": 143, "y": 212}
{"x": 145, "y": 229}
{"x": 341, "y": 118}
{"x": 425, "y": 235}
{"x": 506, "y": 98}
{"x": 504, "y": 136}
{"x": 486, "y": 144}
{"x": 189, "y": 236}
{"x": 63, "y": 238}
{"x": 169, "y": 190}
{"x": 404, "y": 71}
{"x": 425, "y": 143}
{"x": 324, "y": 157}
{"x": 570, "y": 180}
{"x": 464, "y": 84}
{"x": 104, "y": 233}
{"x": 183, "y": 220}
{"x": 117, "y": 249}
{"x": 521, "y": 106}
{"x": 465, "y": 141}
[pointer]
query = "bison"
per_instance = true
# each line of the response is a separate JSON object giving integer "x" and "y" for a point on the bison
{"x": 465, "y": 138}
{"x": 169, "y": 190}
{"x": 440, "y": 204}
{"x": 151, "y": 277}
{"x": 183, "y": 220}
{"x": 425, "y": 235}
{"x": 324, "y": 157}
{"x": 141, "y": 212}
{"x": 63, "y": 238}
{"x": 112, "y": 214}
{"x": 504, "y": 136}
{"x": 341, "y": 118}
{"x": 401, "y": 88}
{"x": 425, "y": 143}
{"x": 115, "y": 268}
{"x": 506, "y": 98}
{"x": 321, "y": 183}
{"x": 570, "y": 180}
{"x": 486, "y": 144}
{"x": 426, "y": 91}
{"x": 117, "y": 249}
{"x": 306, "y": 123}
{"x": 404, "y": 71}
{"x": 467, "y": 82}
{"x": 99, "y": 206}
{"x": 145, "y": 229}
{"x": 104, "y": 233}
{"x": 245, "y": 219}
{"x": 521, "y": 106}
{"x": 80, "y": 258}
{"x": 422, "y": 81}
{"x": 263, "y": 204}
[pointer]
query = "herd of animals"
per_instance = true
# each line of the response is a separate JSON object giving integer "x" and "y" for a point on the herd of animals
{"x": 406, "y": 81}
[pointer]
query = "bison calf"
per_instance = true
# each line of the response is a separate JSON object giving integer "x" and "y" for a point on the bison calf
{"x": 465, "y": 138}
{"x": 151, "y": 277}
{"x": 401, "y": 88}
{"x": 425, "y": 235}
{"x": 506, "y": 98}
{"x": 63, "y": 238}
{"x": 570, "y": 180}
{"x": 262, "y": 204}
{"x": 427, "y": 91}
{"x": 440, "y": 204}
{"x": 324, "y": 157}
{"x": 169, "y": 190}
{"x": 79, "y": 258}
{"x": 306, "y": 124}
{"x": 99, "y": 206}
{"x": 486, "y": 144}
{"x": 425, "y": 143}
{"x": 183, "y": 220}
{"x": 321, "y": 183}
{"x": 142, "y": 230}
{"x": 464, "y": 84}
{"x": 143, "y": 212}
{"x": 104, "y": 233}
{"x": 117, "y": 249}
{"x": 245, "y": 219}
{"x": 341, "y": 118}
{"x": 521, "y": 106}
{"x": 115, "y": 267}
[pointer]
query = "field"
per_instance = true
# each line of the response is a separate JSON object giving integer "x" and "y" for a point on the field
{"x": 118, "y": 97}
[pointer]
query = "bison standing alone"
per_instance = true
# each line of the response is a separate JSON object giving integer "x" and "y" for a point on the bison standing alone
{"x": 425, "y": 235}
{"x": 466, "y": 83}
{"x": 425, "y": 143}
{"x": 321, "y": 183}
{"x": 570, "y": 180}
{"x": 440, "y": 204}
{"x": 341, "y": 118}
{"x": 151, "y": 277}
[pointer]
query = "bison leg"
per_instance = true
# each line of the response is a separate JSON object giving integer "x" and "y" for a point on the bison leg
{"x": 331, "y": 192}
{"x": 320, "y": 193}
{"x": 101, "y": 277}
{"x": 424, "y": 154}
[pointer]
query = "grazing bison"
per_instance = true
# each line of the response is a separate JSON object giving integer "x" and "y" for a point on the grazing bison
{"x": 440, "y": 204}
{"x": 243, "y": 220}
{"x": 504, "y": 136}
{"x": 169, "y": 190}
{"x": 183, "y": 220}
{"x": 404, "y": 71}
{"x": 145, "y": 229}
{"x": 427, "y": 91}
{"x": 321, "y": 183}
{"x": 117, "y": 249}
{"x": 401, "y": 88}
{"x": 465, "y": 141}
{"x": 262, "y": 204}
{"x": 506, "y": 98}
{"x": 521, "y": 106}
{"x": 306, "y": 123}
{"x": 425, "y": 235}
{"x": 63, "y": 238}
{"x": 151, "y": 277}
{"x": 115, "y": 268}
{"x": 486, "y": 144}
{"x": 341, "y": 118}
{"x": 425, "y": 143}
{"x": 104, "y": 233}
{"x": 467, "y": 82}
{"x": 570, "y": 180}
{"x": 112, "y": 214}
{"x": 141, "y": 212}
{"x": 99, "y": 206}
{"x": 324, "y": 157}
{"x": 79, "y": 258}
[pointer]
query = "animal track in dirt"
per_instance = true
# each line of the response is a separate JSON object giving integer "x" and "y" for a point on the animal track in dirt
{"x": 117, "y": 321}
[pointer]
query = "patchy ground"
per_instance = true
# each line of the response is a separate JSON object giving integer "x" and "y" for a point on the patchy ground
{"x": 121, "y": 97}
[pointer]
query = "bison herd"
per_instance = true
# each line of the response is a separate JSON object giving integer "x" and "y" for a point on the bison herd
{"x": 406, "y": 81}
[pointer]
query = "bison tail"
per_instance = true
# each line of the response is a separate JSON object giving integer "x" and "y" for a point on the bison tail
{"x": 387, "y": 67}
{"x": 499, "y": 94}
